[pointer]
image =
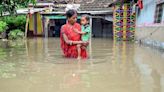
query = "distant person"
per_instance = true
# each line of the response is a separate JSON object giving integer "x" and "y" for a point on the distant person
{"x": 51, "y": 30}
{"x": 70, "y": 39}
{"x": 86, "y": 29}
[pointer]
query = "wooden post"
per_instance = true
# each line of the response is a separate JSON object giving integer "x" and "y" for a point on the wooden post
{"x": 90, "y": 41}
{"x": 26, "y": 28}
{"x": 46, "y": 27}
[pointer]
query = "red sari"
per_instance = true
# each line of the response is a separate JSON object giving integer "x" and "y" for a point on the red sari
{"x": 70, "y": 51}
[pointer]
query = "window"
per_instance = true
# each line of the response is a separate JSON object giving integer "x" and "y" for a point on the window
{"x": 158, "y": 13}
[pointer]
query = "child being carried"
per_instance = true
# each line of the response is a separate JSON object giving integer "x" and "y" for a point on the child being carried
{"x": 86, "y": 29}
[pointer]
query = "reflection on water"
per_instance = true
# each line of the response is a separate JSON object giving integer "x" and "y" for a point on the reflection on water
{"x": 37, "y": 65}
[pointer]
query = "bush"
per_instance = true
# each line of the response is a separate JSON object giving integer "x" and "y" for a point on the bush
{"x": 15, "y": 22}
{"x": 16, "y": 34}
{"x": 3, "y": 26}
{"x": 13, "y": 25}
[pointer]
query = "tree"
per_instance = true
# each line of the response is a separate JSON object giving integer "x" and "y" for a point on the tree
{"x": 10, "y": 6}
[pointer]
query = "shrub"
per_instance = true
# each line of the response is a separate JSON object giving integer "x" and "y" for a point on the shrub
{"x": 15, "y": 34}
{"x": 15, "y": 22}
{"x": 3, "y": 26}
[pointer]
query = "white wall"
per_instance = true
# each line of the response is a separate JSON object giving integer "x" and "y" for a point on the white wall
{"x": 147, "y": 13}
{"x": 163, "y": 15}
{"x": 147, "y": 31}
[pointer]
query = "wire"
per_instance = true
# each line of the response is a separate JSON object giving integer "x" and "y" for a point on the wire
{"x": 149, "y": 34}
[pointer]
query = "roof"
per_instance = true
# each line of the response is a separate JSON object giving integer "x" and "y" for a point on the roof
{"x": 25, "y": 11}
{"x": 83, "y": 12}
{"x": 95, "y": 5}
{"x": 85, "y": 5}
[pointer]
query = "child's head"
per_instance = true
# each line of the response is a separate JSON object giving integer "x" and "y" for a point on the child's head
{"x": 85, "y": 19}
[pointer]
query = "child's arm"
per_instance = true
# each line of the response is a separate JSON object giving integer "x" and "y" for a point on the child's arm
{"x": 76, "y": 30}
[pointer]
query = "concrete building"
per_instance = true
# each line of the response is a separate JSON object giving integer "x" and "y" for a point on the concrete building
{"x": 101, "y": 14}
{"x": 150, "y": 23}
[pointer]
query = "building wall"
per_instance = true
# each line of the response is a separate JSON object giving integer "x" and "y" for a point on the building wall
{"x": 107, "y": 29}
{"x": 97, "y": 27}
{"x": 147, "y": 13}
{"x": 147, "y": 31}
{"x": 35, "y": 24}
{"x": 39, "y": 24}
{"x": 102, "y": 28}
{"x": 163, "y": 14}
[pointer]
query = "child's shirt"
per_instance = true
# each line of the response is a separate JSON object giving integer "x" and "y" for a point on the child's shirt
{"x": 87, "y": 29}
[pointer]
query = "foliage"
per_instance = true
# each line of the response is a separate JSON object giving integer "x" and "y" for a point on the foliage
{"x": 16, "y": 34}
{"x": 10, "y": 6}
{"x": 15, "y": 22}
{"x": 3, "y": 26}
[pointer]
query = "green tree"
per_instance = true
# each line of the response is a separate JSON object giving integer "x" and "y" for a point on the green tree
{"x": 10, "y": 6}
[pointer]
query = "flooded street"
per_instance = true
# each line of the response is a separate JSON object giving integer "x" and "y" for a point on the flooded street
{"x": 37, "y": 65}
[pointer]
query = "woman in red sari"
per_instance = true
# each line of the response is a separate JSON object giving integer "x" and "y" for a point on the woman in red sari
{"x": 69, "y": 38}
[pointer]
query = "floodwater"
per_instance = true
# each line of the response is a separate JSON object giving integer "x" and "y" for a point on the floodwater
{"x": 37, "y": 65}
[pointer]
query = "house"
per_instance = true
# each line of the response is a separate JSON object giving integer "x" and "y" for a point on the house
{"x": 150, "y": 23}
{"x": 54, "y": 11}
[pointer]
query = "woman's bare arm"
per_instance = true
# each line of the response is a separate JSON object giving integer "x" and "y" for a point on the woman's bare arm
{"x": 76, "y": 30}
{"x": 66, "y": 39}
{"x": 72, "y": 42}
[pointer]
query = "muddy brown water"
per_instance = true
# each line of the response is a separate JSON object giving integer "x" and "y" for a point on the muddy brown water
{"x": 37, "y": 65}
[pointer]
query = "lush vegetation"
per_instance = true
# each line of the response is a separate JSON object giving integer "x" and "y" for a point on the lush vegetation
{"x": 15, "y": 22}
{"x": 10, "y": 6}
{"x": 13, "y": 25}
{"x": 16, "y": 34}
{"x": 10, "y": 23}
{"x": 3, "y": 26}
